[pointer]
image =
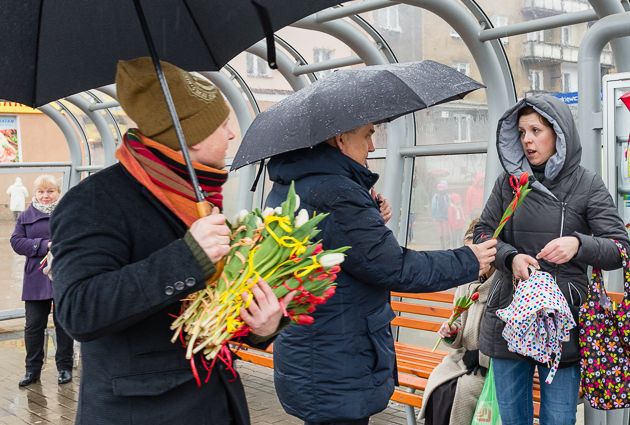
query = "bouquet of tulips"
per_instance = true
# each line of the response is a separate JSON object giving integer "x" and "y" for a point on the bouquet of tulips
{"x": 275, "y": 245}
{"x": 461, "y": 305}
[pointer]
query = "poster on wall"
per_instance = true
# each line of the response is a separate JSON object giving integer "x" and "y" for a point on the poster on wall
{"x": 10, "y": 149}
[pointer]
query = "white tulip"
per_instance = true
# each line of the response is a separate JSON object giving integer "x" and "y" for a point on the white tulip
{"x": 301, "y": 218}
{"x": 258, "y": 221}
{"x": 268, "y": 212}
{"x": 297, "y": 202}
{"x": 278, "y": 210}
{"x": 241, "y": 216}
{"x": 330, "y": 260}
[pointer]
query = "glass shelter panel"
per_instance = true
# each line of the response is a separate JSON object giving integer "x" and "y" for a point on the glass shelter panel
{"x": 447, "y": 192}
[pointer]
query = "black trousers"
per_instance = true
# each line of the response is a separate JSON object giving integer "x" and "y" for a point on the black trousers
{"x": 34, "y": 336}
{"x": 364, "y": 421}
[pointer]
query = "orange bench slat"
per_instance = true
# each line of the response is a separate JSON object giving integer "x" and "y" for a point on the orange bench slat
{"x": 419, "y": 324}
{"x": 421, "y": 309}
{"x": 444, "y": 297}
{"x": 404, "y": 397}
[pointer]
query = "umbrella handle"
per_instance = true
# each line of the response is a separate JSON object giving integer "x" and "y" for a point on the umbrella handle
{"x": 204, "y": 209}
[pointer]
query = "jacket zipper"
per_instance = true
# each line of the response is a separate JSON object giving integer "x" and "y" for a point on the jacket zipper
{"x": 564, "y": 204}
{"x": 493, "y": 290}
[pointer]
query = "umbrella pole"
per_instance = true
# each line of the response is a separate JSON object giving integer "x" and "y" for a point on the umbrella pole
{"x": 203, "y": 207}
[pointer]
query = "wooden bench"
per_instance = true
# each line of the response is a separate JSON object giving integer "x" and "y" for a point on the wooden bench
{"x": 422, "y": 312}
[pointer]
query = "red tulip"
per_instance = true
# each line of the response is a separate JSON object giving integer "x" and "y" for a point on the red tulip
{"x": 303, "y": 319}
{"x": 329, "y": 292}
{"x": 474, "y": 296}
{"x": 523, "y": 179}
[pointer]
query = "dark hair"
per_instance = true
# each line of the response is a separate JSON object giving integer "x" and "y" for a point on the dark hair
{"x": 528, "y": 110}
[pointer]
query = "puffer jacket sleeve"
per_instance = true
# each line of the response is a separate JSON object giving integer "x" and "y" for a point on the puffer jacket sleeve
{"x": 489, "y": 221}
{"x": 599, "y": 249}
{"x": 376, "y": 258}
{"x": 98, "y": 289}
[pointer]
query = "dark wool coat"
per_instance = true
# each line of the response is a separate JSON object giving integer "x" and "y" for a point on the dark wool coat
{"x": 571, "y": 201}
{"x": 120, "y": 270}
{"x": 343, "y": 366}
{"x": 30, "y": 238}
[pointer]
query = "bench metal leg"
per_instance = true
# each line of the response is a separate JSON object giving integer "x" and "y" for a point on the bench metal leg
{"x": 411, "y": 415}
{"x": 411, "y": 412}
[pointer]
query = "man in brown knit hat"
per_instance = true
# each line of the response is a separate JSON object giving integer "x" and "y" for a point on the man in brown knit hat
{"x": 128, "y": 246}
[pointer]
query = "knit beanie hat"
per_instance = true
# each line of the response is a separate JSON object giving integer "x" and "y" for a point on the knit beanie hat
{"x": 199, "y": 104}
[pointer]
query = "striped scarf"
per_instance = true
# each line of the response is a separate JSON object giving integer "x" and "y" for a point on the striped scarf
{"x": 162, "y": 171}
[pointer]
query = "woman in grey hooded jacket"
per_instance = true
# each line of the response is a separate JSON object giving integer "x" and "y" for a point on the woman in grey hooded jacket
{"x": 568, "y": 222}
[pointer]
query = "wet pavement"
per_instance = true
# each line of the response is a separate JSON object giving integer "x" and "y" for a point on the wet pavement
{"x": 49, "y": 403}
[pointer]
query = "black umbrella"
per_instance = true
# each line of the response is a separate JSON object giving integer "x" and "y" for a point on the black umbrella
{"x": 56, "y": 48}
{"x": 349, "y": 99}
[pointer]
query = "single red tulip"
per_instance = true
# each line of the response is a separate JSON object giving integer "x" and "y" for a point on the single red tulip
{"x": 303, "y": 319}
{"x": 474, "y": 296}
{"x": 523, "y": 179}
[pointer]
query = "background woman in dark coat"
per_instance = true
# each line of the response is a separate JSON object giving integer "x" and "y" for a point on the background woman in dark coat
{"x": 567, "y": 222}
{"x": 31, "y": 238}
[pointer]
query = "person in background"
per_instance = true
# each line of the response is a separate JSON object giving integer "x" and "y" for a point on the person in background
{"x": 456, "y": 219}
{"x": 567, "y": 223}
{"x": 31, "y": 238}
{"x": 439, "y": 212}
{"x": 473, "y": 201}
{"x": 451, "y": 393}
{"x": 17, "y": 197}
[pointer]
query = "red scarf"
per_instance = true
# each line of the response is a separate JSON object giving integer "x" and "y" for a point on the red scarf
{"x": 162, "y": 171}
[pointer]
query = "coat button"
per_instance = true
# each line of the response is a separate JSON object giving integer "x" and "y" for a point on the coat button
{"x": 169, "y": 290}
{"x": 190, "y": 282}
{"x": 179, "y": 285}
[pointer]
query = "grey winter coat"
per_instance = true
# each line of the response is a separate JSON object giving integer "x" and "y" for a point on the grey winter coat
{"x": 571, "y": 201}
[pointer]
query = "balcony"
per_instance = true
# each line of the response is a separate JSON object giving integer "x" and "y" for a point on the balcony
{"x": 551, "y": 53}
{"x": 543, "y": 8}
{"x": 540, "y": 51}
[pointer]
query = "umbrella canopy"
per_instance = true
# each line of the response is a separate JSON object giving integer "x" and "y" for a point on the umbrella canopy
{"x": 53, "y": 49}
{"x": 349, "y": 99}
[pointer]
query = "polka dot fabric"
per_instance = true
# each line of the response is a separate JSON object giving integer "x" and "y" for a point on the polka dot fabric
{"x": 605, "y": 344}
{"x": 538, "y": 321}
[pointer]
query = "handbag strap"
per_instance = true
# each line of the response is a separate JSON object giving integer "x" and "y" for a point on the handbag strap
{"x": 597, "y": 288}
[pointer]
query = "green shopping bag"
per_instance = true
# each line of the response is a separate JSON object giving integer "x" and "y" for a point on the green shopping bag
{"x": 487, "y": 410}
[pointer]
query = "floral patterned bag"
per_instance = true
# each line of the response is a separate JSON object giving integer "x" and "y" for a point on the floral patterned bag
{"x": 605, "y": 343}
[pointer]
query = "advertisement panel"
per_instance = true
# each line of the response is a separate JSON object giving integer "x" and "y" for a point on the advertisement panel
{"x": 10, "y": 147}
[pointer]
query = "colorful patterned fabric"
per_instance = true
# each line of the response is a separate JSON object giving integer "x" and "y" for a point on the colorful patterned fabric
{"x": 538, "y": 321}
{"x": 605, "y": 344}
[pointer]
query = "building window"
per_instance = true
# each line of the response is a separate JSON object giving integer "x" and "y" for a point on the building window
{"x": 536, "y": 79}
{"x": 536, "y": 36}
{"x": 388, "y": 18}
{"x": 565, "y": 36}
{"x": 464, "y": 126}
{"x": 257, "y": 67}
{"x": 454, "y": 33}
{"x": 464, "y": 68}
{"x": 566, "y": 82}
{"x": 501, "y": 21}
{"x": 321, "y": 54}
